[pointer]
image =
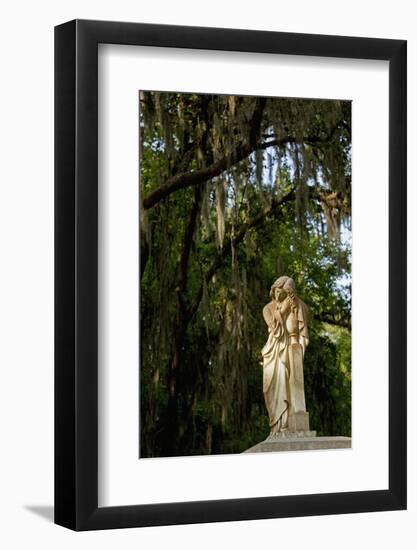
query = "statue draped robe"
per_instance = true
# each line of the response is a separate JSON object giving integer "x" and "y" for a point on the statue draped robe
{"x": 287, "y": 324}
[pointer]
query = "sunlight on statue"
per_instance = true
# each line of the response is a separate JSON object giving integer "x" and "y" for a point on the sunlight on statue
{"x": 283, "y": 355}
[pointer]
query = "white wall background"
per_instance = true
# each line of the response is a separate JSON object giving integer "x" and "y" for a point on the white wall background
{"x": 26, "y": 288}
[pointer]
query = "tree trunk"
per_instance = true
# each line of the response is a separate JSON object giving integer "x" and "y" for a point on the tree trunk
{"x": 171, "y": 428}
{"x": 171, "y": 438}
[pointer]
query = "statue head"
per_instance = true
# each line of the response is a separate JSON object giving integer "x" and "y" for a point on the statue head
{"x": 282, "y": 287}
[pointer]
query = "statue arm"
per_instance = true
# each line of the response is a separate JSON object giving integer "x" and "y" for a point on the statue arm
{"x": 268, "y": 317}
{"x": 303, "y": 342}
{"x": 286, "y": 306}
{"x": 303, "y": 323}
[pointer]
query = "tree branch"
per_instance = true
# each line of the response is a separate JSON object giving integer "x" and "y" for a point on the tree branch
{"x": 331, "y": 320}
{"x": 187, "y": 179}
{"x": 235, "y": 239}
{"x": 187, "y": 242}
{"x": 255, "y": 127}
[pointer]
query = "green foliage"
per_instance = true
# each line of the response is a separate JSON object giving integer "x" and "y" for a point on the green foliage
{"x": 328, "y": 382}
{"x": 271, "y": 210}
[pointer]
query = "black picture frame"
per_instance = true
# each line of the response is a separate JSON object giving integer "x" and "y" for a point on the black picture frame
{"x": 76, "y": 271}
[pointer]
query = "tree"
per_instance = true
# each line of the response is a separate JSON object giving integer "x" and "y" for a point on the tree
{"x": 234, "y": 192}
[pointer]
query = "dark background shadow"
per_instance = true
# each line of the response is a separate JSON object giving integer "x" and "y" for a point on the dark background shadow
{"x": 45, "y": 512}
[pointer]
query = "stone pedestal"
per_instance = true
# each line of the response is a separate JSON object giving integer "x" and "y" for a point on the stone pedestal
{"x": 286, "y": 318}
{"x": 298, "y": 418}
{"x": 298, "y": 422}
{"x": 303, "y": 441}
{"x": 297, "y": 396}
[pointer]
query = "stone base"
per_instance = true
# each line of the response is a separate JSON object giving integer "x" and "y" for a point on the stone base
{"x": 295, "y": 442}
{"x": 291, "y": 435}
{"x": 298, "y": 421}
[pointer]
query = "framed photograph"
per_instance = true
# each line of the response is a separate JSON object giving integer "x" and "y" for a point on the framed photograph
{"x": 230, "y": 284}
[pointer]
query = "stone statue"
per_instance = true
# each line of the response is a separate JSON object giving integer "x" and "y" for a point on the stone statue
{"x": 283, "y": 376}
{"x": 283, "y": 358}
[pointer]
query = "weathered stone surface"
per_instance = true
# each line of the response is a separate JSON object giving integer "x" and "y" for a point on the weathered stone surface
{"x": 298, "y": 421}
{"x": 294, "y": 443}
{"x": 283, "y": 358}
{"x": 290, "y": 435}
{"x": 283, "y": 375}
{"x": 296, "y": 378}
